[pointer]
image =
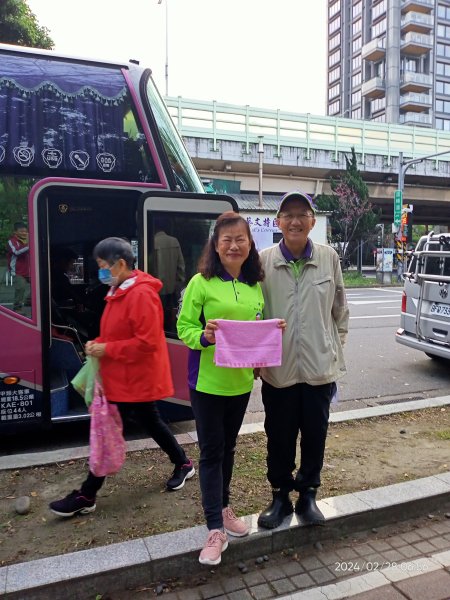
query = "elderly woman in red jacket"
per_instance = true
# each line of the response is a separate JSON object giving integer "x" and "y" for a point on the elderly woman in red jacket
{"x": 134, "y": 363}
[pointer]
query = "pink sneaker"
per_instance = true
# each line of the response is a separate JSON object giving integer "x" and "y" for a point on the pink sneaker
{"x": 232, "y": 524}
{"x": 216, "y": 543}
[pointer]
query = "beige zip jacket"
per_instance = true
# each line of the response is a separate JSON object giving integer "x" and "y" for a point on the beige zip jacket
{"x": 315, "y": 308}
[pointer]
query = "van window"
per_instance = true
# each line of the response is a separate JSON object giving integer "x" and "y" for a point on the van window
{"x": 59, "y": 118}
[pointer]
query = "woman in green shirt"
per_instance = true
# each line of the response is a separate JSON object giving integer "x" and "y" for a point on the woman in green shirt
{"x": 226, "y": 287}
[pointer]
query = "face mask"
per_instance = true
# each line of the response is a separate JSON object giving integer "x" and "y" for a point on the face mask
{"x": 104, "y": 276}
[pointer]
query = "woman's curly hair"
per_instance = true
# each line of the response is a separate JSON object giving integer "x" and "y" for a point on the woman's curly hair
{"x": 209, "y": 264}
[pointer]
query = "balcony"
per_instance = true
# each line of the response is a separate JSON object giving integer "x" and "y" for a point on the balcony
{"x": 416, "y": 44}
{"x": 415, "y": 102}
{"x": 422, "y": 6}
{"x": 413, "y": 118}
{"x": 373, "y": 88}
{"x": 417, "y": 22}
{"x": 415, "y": 82}
{"x": 374, "y": 50}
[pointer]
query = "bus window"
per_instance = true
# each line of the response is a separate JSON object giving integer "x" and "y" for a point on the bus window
{"x": 87, "y": 126}
{"x": 15, "y": 289}
{"x": 175, "y": 250}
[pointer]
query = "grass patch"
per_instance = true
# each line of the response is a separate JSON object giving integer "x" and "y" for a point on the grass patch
{"x": 444, "y": 434}
{"x": 353, "y": 279}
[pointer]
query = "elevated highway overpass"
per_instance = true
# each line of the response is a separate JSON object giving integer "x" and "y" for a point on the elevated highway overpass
{"x": 305, "y": 151}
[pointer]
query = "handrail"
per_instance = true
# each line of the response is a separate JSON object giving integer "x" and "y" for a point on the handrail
{"x": 229, "y": 122}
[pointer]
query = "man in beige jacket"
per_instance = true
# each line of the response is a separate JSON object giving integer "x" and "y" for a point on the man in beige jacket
{"x": 303, "y": 285}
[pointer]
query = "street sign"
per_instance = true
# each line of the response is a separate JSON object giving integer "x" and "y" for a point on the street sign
{"x": 398, "y": 201}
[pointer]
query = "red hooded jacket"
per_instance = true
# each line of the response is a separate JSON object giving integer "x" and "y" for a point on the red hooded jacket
{"x": 135, "y": 366}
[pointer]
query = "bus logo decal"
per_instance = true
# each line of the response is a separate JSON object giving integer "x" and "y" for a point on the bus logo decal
{"x": 23, "y": 155}
{"x": 106, "y": 161}
{"x": 79, "y": 159}
{"x": 443, "y": 293}
{"x": 52, "y": 157}
{"x": 2, "y": 153}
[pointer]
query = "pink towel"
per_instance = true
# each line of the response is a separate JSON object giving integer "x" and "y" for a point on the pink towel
{"x": 248, "y": 344}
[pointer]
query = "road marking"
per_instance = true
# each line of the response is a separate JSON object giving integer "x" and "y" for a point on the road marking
{"x": 375, "y": 317}
{"x": 359, "y": 302}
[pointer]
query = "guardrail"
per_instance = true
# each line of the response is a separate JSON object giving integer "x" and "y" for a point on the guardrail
{"x": 218, "y": 121}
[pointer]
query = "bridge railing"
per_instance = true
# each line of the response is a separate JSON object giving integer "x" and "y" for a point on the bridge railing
{"x": 246, "y": 124}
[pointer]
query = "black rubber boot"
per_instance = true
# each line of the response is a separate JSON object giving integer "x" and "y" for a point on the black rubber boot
{"x": 307, "y": 509}
{"x": 280, "y": 508}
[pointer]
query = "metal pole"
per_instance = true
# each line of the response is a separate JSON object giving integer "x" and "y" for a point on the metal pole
{"x": 167, "y": 48}
{"x": 166, "y": 68}
{"x": 260, "y": 170}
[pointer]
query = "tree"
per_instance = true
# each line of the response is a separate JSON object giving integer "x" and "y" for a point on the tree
{"x": 18, "y": 25}
{"x": 353, "y": 218}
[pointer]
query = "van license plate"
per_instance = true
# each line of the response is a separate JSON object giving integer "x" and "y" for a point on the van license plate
{"x": 440, "y": 309}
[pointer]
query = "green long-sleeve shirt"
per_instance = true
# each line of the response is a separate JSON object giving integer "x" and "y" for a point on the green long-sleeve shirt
{"x": 216, "y": 298}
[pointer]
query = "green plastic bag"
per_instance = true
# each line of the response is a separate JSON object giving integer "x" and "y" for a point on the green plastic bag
{"x": 84, "y": 380}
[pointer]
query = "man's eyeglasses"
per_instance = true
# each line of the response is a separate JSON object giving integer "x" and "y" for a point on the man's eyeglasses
{"x": 292, "y": 217}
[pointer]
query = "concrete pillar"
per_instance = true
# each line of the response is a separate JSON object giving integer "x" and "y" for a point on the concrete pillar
{"x": 393, "y": 61}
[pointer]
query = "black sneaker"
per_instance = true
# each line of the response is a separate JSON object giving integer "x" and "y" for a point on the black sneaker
{"x": 72, "y": 504}
{"x": 179, "y": 476}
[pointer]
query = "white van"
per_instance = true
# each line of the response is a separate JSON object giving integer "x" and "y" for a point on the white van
{"x": 425, "y": 316}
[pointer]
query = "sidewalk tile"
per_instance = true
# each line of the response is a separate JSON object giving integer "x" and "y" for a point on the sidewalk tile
{"x": 322, "y": 575}
{"x": 379, "y": 545}
{"x": 282, "y": 586}
{"x": 329, "y": 557}
{"x": 424, "y": 547}
{"x": 311, "y": 562}
{"x": 396, "y": 541}
{"x": 386, "y": 592}
{"x": 302, "y": 581}
{"x": 442, "y": 528}
{"x": 261, "y": 592}
{"x": 211, "y": 590}
{"x": 292, "y": 568}
{"x": 347, "y": 553}
{"x": 233, "y": 584}
{"x": 440, "y": 543}
{"x": 432, "y": 586}
{"x": 411, "y": 537}
{"x": 240, "y": 595}
{"x": 443, "y": 558}
{"x": 409, "y": 551}
{"x": 364, "y": 549}
{"x": 253, "y": 578}
{"x": 273, "y": 573}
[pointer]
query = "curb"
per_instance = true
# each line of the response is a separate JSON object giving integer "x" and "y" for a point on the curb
{"x": 83, "y": 574}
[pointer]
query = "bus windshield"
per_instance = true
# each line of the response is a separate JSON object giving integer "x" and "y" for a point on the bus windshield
{"x": 182, "y": 168}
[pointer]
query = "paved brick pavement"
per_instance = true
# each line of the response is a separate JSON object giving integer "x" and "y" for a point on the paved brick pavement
{"x": 414, "y": 556}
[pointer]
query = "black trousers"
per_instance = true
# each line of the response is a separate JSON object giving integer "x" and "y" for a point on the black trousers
{"x": 299, "y": 409}
{"x": 147, "y": 414}
{"x": 218, "y": 420}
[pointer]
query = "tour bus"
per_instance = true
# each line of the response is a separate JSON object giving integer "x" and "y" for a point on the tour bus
{"x": 425, "y": 313}
{"x": 87, "y": 151}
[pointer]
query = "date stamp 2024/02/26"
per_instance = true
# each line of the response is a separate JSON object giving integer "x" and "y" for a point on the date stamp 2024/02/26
{"x": 357, "y": 566}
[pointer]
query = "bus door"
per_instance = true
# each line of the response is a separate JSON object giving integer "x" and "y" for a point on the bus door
{"x": 72, "y": 219}
{"x": 174, "y": 228}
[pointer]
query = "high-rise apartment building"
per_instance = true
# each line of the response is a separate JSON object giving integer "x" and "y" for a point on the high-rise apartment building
{"x": 389, "y": 60}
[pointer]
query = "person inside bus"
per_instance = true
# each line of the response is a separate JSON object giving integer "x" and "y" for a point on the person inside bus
{"x": 226, "y": 287}
{"x": 68, "y": 300}
{"x": 134, "y": 363}
{"x": 18, "y": 260}
{"x": 167, "y": 264}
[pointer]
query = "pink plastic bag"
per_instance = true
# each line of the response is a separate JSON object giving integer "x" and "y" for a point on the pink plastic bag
{"x": 107, "y": 445}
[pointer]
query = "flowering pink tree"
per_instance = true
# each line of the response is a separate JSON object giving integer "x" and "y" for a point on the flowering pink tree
{"x": 352, "y": 217}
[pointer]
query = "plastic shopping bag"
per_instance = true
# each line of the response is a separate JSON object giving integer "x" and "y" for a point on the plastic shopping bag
{"x": 107, "y": 445}
{"x": 84, "y": 380}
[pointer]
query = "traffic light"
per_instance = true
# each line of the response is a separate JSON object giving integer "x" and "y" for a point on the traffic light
{"x": 379, "y": 240}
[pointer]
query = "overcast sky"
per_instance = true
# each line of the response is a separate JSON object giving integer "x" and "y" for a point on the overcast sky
{"x": 265, "y": 53}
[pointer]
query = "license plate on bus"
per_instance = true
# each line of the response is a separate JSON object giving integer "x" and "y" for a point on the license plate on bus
{"x": 440, "y": 309}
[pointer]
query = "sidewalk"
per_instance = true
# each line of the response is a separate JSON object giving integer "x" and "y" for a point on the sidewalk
{"x": 363, "y": 547}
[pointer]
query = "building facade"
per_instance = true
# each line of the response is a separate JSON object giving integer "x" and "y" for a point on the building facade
{"x": 389, "y": 60}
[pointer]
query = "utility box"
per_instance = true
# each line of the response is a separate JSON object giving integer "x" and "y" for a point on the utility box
{"x": 385, "y": 264}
